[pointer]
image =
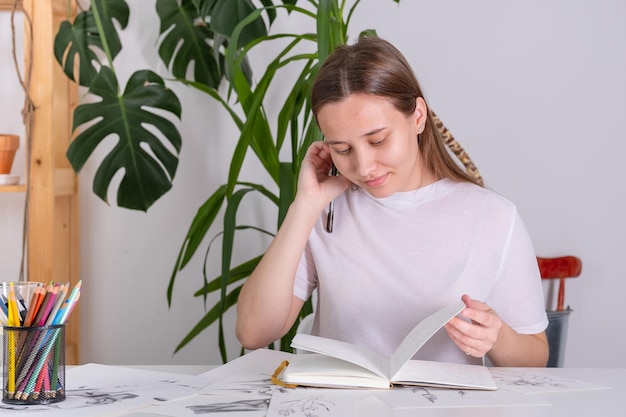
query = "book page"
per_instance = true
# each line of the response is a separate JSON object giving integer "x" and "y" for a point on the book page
{"x": 371, "y": 360}
{"x": 420, "y": 335}
{"x": 346, "y": 351}
{"x": 319, "y": 370}
{"x": 445, "y": 375}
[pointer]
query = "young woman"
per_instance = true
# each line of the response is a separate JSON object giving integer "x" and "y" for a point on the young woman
{"x": 411, "y": 232}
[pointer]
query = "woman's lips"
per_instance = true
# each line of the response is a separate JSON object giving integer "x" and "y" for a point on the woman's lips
{"x": 376, "y": 182}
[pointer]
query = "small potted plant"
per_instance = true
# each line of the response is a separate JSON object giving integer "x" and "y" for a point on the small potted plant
{"x": 9, "y": 144}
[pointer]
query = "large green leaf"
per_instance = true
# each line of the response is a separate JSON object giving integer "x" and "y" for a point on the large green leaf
{"x": 209, "y": 318}
{"x": 195, "y": 235}
{"x": 228, "y": 241}
{"x": 73, "y": 42}
{"x": 331, "y": 30}
{"x": 295, "y": 106}
{"x": 235, "y": 274}
{"x": 149, "y": 165}
{"x": 203, "y": 7}
{"x": 81, "y": 41}
{"x": 256, "y": 132}
{"x": 108, "y": 11}
{"x": 227, "y": 14}
{"x": 186, "y": 44}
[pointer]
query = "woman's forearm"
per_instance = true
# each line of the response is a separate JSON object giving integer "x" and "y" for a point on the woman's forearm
{"x": 519, "y": 350}
{"x": 267, "y": 308}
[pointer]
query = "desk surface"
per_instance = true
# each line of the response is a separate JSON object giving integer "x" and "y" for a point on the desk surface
{"x": 607, "y": 401}
{"x": 604, "y": 400}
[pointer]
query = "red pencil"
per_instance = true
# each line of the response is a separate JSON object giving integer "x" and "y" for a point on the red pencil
{"x": 33, "y": 303}
{"x": 48, "y": 307}
{"x": 40, "y": 300}
{"x": 44, "y": 304}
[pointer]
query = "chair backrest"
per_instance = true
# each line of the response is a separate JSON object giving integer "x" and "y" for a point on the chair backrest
{"x": 560, "y": 268}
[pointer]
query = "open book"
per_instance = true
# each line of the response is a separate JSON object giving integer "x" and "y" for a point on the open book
{"x": 344, "y": 365}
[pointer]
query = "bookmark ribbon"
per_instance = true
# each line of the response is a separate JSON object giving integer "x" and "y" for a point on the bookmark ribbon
{"x": 276, "y": 376}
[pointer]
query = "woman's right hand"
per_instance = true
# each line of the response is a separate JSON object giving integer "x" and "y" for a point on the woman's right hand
{"x": 314, "y": 181}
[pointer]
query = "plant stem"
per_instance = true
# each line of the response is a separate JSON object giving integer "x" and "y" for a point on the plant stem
{"x": 101, "y": 34}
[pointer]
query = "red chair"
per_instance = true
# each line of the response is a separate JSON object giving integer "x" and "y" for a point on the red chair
{"x": 560, "y": 268}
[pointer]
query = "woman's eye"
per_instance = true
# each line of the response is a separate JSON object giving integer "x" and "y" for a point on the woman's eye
{"x": 379, "y": 142}
{"x": 342, "y": 150}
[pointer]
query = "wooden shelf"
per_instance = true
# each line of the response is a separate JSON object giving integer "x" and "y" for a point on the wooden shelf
{"x": 7, "y": 5}
{"x": 53, "y": 222}
{"x": 18, "y": 188}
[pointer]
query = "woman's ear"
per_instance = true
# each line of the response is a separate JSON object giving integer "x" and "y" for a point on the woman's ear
{"x": 420, "y": 114}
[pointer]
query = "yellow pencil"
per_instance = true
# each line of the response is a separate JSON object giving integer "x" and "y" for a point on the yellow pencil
{"x": 14, "y": 321}
{"x": 14, "y": 314}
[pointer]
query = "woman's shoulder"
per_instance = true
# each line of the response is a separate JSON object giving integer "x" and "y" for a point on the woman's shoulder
{"x": 448, "y": 192}
{"x": 481, "y": 195}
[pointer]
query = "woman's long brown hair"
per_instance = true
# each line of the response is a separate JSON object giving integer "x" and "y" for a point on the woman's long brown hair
{"x": 374, "y": 66}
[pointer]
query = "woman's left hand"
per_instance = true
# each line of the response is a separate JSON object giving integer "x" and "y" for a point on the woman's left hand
{"x": 477, "y": 336}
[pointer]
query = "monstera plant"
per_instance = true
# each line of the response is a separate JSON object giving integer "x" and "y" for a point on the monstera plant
{"x": 214, "y": 37}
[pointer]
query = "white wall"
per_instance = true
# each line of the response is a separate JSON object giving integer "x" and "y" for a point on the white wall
{"x": 533, "y": 91}
{"x": 11, "y": 102}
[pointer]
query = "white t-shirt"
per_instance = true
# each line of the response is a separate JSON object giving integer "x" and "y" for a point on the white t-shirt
{"x": 390, "y": 262}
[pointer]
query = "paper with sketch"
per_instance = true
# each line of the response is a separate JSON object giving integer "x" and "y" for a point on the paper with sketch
{"x": 428, "y": 397}
{"x": 96, "y": 390}
{"x": 537, "y": 381}
{"x": 303, "y": 402}
{"x": 339, "y": 364}
{"x": 244, "y": 384}
{"x": 247, "y": 391}
{"x": 254, "y": 362}
{"x": 241, "y": 387}
{"x": 214, "y": 405}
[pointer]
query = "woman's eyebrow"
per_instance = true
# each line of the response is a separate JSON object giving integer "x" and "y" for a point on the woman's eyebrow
{"x": 365, "y": 135}
{"x": 375, "y": 131}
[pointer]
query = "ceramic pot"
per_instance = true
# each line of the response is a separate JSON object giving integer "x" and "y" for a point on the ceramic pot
{"x": 8, "y": 147}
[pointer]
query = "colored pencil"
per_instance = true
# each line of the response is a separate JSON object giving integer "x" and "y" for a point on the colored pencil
{"x": 37, "y": 358}
{"x": 57, "y": 304}
{"x": 43, "y": 303}
{"x": 12, "y": 316}
{"x": 33, "y": 302}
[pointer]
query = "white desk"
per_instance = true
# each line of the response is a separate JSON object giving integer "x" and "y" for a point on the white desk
{"x": 601, "y": 402}
{"x": 606, "y": 402}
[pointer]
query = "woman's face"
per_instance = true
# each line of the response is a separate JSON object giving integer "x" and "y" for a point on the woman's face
{"x": 374, "y": 145}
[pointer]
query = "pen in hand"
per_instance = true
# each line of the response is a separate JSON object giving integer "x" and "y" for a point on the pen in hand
{"x": 331, "y": 206}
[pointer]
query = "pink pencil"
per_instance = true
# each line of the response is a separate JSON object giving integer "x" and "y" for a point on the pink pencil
{"x": 48, "y": 306}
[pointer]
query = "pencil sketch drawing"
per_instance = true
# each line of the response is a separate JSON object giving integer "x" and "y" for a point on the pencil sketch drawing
{"x": 87, "y": 397}
{"x": 96, "y": 397}
{"x": 306, "y": 407}
{"x": 260, "y": 386}
{"x": 531, "y": 380}
{"x": 431, "y": 395}
{"x": 231, "y": 406}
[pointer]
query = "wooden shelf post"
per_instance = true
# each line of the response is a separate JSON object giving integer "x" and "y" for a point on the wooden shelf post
{"x": 53, "y": 205}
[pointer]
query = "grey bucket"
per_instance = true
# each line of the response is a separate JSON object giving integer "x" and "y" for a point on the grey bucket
{"x": 557, "y": 336}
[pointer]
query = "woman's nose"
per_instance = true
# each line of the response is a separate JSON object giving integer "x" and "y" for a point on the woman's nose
{"x": 364, "y": 163}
